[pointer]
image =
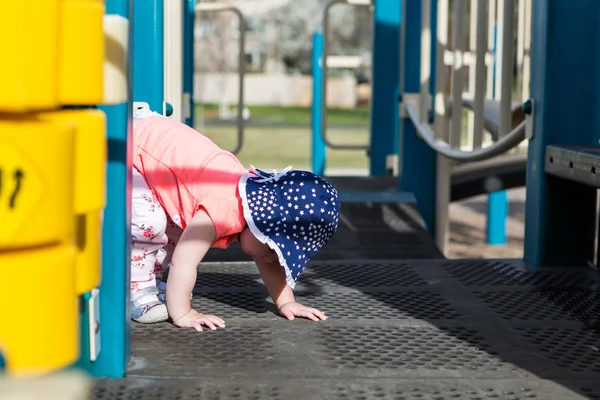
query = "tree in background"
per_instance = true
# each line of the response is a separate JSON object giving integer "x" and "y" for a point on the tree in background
{"x": 289, "y": 31}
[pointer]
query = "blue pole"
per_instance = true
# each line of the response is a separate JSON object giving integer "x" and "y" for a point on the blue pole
{"x": 496, "y": 218}
{"x": 497, "y": 201}
{"x": 319, "y": 152}
{"x": 148, "y": 53}
{"x": 385, "y": 84}
{"x": 417, "y": 159}
{"x": 559, "y": 214}
{"x": 188, "y": 60}
{"x": 114, "y": 289}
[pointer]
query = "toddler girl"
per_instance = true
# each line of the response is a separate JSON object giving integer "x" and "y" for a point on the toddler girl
{"x": 190, "y": 195}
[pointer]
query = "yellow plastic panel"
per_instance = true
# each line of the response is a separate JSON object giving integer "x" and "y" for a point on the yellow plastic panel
{"x": 36, "y": 190}
{"x": 39, "y": 332}
{"x": 29, "y": 55}
{"x": 89, "y": 243}
{"x": 90, "y": 155}
{"x": 81, "y": 52}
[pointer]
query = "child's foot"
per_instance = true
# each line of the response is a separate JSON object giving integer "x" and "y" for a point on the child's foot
{"x": 162, "y": 291}
{"x": 146, "y": 307}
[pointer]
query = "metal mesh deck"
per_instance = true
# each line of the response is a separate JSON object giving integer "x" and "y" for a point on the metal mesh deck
{"x": 420, "y": 329}
{"x": 380, "y": 231}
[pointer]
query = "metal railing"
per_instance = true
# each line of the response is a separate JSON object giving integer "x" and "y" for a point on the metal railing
{"x": 490, "y": 52}
{"x": 324, "y": 75}
{"x": 219, "y": 7}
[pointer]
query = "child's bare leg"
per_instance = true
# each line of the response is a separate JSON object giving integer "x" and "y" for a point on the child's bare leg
{"x": 148, "y": 226}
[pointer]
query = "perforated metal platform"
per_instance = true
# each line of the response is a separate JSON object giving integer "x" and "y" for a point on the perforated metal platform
{"x": 426, "y": 329}
{"x": 377, "y": 231}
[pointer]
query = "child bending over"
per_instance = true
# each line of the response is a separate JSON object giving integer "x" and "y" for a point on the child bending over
{"x": 190, "y": 195}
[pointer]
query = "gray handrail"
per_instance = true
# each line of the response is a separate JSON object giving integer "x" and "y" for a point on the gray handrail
{"x": 508, "y": 160}
{"x": 216, "y": 7}
{"x": 504, "y": 144}
{"x": 324, "y": 74}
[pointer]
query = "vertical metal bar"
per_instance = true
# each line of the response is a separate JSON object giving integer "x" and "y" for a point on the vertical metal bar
{"x": 115, "y": 320}
{"x": 149, "y": 67}
{"x": 521, "y": 16}
{"x": 498, "y": 201}
{"x": 391, "y": 58}
{"x": 480, "y": 67}
{"x": 507, "y": 67}
{"x": 497, "y": 215}
{"x": 416, "y": 157}
{"x": 440, "y": 72}
{"x": 402, "y": 44}
{"x": 189, "y": 18}
{"x": 241, "y": 75}
{"x": 241, "y": 64}
{"x": 527, "y": 51}
{"x": 491, "y": 47}
{"x": 443, "y": 165}
{"x": 173, "y": 50}
{"x": 401, "y": 90}
{"x": 318, "y": 145}
{"x": 473, "y": 39}
{"x": 384, "y": 120}
{"x": 425, "y": 60}
{"x": 458, "y": 44}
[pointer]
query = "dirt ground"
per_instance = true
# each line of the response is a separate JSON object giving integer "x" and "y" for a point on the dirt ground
{"x": 468, "y": 228}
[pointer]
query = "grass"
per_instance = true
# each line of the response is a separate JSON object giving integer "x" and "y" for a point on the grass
{"x": 358, "y": 117}
{"x": 269, "y": 148}
{"x": 287, "y": 141}
{"x": 284, "y": 136}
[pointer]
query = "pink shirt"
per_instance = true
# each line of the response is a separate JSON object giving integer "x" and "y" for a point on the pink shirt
{"x": 187, "y": 172}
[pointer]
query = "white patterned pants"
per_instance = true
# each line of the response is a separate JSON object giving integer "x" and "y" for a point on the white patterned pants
{"x": 151, "y": 228}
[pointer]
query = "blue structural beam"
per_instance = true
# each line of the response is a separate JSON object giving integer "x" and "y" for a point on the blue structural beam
{"x": 385, "y": 85}
{"x": 189, "y": 17}
{"x": 114, "y": 289}
{"x": 417, "y": 159}
{"x": 319, "y": 151}
{"x": 565, "y": 86}
{"x": 148, "y": 53}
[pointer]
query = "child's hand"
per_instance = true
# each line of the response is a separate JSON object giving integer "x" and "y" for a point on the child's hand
{"x": 294, "y": 309}
{"x": 193, "y": 319}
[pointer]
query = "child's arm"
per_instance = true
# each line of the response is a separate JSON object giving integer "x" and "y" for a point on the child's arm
{"x": 191, "y": 248}
{"x": 273, "y": 275}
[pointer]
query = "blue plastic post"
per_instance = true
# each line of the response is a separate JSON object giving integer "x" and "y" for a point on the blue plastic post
{"x": 114, "y": 289}
{"x": 417, "y": 159}
{"x": 189, "y": 16}
{"x": 560, "y": 215}
{"x": 319, "y": 152}
{"x": 497, "y": 201}
{"x": 496, "y": 218}
{"x": 385, "y": 84}
{"x": 148, "y": 53}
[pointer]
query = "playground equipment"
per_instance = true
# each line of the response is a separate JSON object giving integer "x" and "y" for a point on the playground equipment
{"x": 52, "y": 175}
{"x": 484, "y": 57}
{"x": 486, "y": 328}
